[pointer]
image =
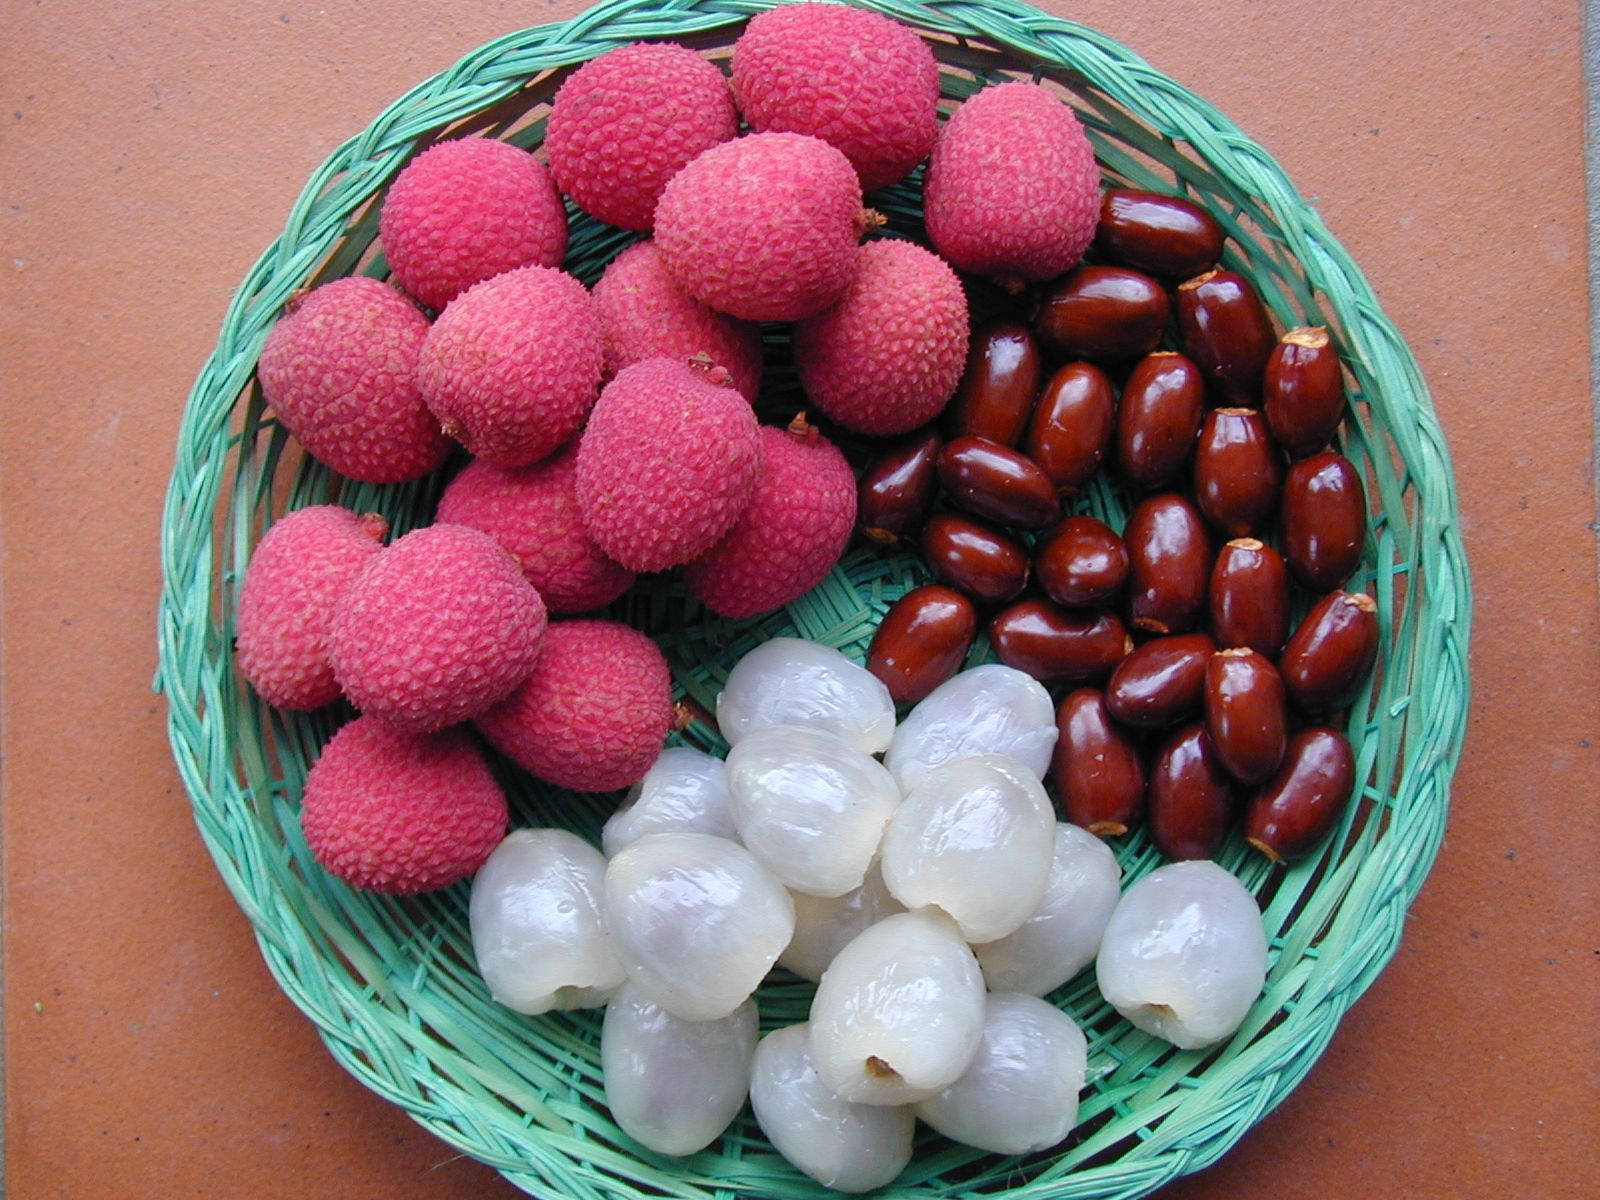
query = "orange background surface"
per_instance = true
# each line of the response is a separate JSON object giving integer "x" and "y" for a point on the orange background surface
{"x": 149, "y": 152}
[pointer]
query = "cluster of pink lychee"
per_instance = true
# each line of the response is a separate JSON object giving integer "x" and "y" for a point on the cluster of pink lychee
{"x": 612, "y": 431}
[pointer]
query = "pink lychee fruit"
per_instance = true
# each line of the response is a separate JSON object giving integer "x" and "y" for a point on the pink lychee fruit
{"x": 856, "y": 79}
{"x": 1012, "y": 191}
{"x": 437, "y": 628}
{"x": 466, "y": 210}
{"x": 645, "y": 314}
{"x": 666, "y": 464}
{"x": 889, "y": 355}
{"x": 764, "y": 227}
{"x": 533, "y": 512}
{"x": 298, "y": 574}
{"x": 594, "y": 714}
{"x": 398, "y": 812}
{"x": 513, "y": 365}
{"x": 796, "y": 526}
{"x": 340, "y": 371}
{"x": 626, "y": 122}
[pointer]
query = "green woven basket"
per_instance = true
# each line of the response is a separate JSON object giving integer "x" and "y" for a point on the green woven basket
{"x": 390, "y": 983}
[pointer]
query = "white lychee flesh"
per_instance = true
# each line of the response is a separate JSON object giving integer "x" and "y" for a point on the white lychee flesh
{"x": 897, "y": 1016}
{"x": 825, "y": 926}
{"x": 992, "y": 709}
{"x": 538, "y": 928}
{"x": 686, "y": 791}
{"x": 975, "y": 840}
{"x": 1184, "y": 955}
{"x": 810, "y": 806}
{"x": 844, "y": 1146}
{"x": 791, "y": 681}
{"x": 674, "y": 1085}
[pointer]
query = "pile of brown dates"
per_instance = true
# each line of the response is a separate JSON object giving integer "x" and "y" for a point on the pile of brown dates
{"x": 1189, "y": 694}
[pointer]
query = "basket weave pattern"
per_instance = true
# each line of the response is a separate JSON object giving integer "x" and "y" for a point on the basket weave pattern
{"x": 390, "y": 983}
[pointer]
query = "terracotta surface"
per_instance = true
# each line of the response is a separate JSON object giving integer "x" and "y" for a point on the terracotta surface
{"x": 150, "y": 152}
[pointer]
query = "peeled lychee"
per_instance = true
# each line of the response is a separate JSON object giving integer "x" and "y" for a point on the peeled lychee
{"x": 792, "y": 532}
{"x": 513, "y": 366}
{"x": 1012, "y": 190}
{"x": 855, "y": 79}
{"x": 466, "y": 210}
{"x": 667, "y": 464}
{"x": 645, "y": 314}
{"x": 888, "y": 356}
{"x": 296, "y": 578}
{"x": 763, "y": 227}
{"x": 340, "y": 371}
{"x": 626, "y": 122}
{"x": 594, "y": 713}
{"x": 438, "y": 628}
{"x": 399, "y": 812}
{"x": 533, "y": 512}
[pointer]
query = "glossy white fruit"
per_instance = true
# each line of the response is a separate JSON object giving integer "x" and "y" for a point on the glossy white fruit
{"x": 1062, "y": 935}
{"x": 686, "y": 791}
{"x": 697, "y": 921}
{"x": 674, "y": 1085}
{"x": 823, "y": 927}
{"x": 897, "y": 1015}
{"x": 810, "y": 806}
{"x": 1184, "y": 955}
{"x": 974, "y": 839}
{"x": 844, "y": 1146}
{"x": 538, "y": 929}
{"x": 1021, "y": 1092}
{"x": 790, "y": 681}
{"x": 992, "y": 709}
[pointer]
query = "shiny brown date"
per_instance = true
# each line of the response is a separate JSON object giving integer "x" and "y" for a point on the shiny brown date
{"x": 897, "y": 488}
{"x": 1225, "y": 329}
{"x": 1331, "y": 653}
{"x": 975, "y": 558}
{"x": 1169, "y": 564}
{"x": 999, "y": 386}
{"x": 1324, "y": 520}
{"x": 1304, "y": 801}
{"x": 1159, "y": 418}
{"x": 1250, "y": 597}
{"x": 995, "y": 481}
{"x": 1081, "y": 563}
{"x": 1302, "y": 393}
{"x": 1096, "y": 767}
{"x": 1072, "y": 426}
{"x": 1189, "y": 804}
{"x": 922, "y": 641}
{"x": 1057, "y": 645}
{"x": 1246, "y": 713}
{"x": 1163, "y": 235}
{"x": 1161, "y": 682}
{"x": 1107, "y": 314}
{"x": 1237, "y": 474}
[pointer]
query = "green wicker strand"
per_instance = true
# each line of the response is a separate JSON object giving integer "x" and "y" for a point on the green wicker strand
{"x": 390, "y": 983}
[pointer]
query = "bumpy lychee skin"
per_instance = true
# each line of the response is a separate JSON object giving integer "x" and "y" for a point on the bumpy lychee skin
{"x": 298, "y": 574}
{"x": 626, "y": 122}
{"x": 464, "y": 211}
{"x": 436, "y": 629}
{"x": 645, "y": 314}
{"x": 594, "y": 714}
{"x": 888, "y": 356}
{"x": 533, "y": 512}
{"x": 1012, "y": 191}
{"x": 401, "y": 813}
{"x": 794, "y": 530}
{"x": 853, "y": 78}
{"x": 512, "y": 367}
{"x": 666, "y": 464}
{"x": 340, "y": 371}
{"x": 763, "y": 227}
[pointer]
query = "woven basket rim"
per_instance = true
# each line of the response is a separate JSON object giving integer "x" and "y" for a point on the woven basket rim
{"x": 194, "y": 656}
